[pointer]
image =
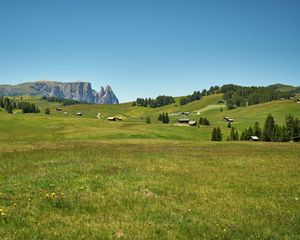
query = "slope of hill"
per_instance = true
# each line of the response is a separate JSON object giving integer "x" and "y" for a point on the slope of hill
{"x": 285, "y": 88}
{"x": 66, "y": 125}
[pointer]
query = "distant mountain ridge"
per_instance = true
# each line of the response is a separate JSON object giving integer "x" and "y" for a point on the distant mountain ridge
{"x": 80, "y": 91}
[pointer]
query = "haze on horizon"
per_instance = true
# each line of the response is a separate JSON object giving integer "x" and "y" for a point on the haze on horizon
{"x": 147, "y": 48}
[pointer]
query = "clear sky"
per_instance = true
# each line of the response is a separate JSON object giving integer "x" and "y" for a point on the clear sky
{"x": 144, "y": 48}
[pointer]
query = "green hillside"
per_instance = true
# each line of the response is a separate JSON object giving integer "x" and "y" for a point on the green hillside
{"x": 69, "y": 177}
{"x": 62, "y": 125}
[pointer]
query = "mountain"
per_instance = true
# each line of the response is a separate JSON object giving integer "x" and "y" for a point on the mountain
{"x": 80, "y": 91}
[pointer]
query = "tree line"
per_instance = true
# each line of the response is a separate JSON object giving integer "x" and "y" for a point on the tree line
{"x": 63, "y": 101}
{"x": 239, "y": 96}
{"x": 159, "y": 101}
{"x": 11, "y": 104}
{"x": 197, "y": 95}
{"x": 164, "y": 118}
{"x": 271, "y": 131}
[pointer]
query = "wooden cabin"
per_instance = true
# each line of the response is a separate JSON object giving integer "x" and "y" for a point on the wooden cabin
{"x": 227, "y": 119}
{"x": 296, "y": 139}
{"x": 79, "y": 114}
{"x": 193, "y": 123}
{"x": 58, "y": 109}
{"x": 113, "y": 119}
{"x": 253, "y": 138}
{"x": 185, "y": 113}
{"x": 184, "y": 121}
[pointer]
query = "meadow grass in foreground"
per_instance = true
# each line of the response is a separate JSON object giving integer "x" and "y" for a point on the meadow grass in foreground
{"x": 149, "y": 189}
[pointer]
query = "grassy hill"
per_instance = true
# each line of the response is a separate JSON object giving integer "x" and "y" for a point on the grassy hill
{"x": 69, "y": 177}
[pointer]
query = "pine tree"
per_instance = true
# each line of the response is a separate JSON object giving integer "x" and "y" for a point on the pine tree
{"x": 229, "y": 125}
{"x": 163, "y": 118}
{"x": 47, "y": 111}
{"x": 244, "y": 135}
{"x": 167, "y": 118}
{"x": 148, "y": 120}
{"x": 160, "y": 117}
{"x": 257, "y": 130}
{"x": 216, "y": 134}
{"x": 269, "y": 127}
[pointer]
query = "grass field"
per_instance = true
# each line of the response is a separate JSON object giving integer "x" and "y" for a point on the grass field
{"x": 66, "y": 177}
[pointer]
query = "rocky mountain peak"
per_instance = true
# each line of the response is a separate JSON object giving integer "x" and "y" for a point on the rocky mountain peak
{"x": 80, "y": 91}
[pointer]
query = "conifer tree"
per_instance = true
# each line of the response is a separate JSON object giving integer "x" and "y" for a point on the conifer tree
{"x": 257, "y": 130}
{"x": 269, "y": 127}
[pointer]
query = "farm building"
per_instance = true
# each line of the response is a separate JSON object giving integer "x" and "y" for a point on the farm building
{"x": 253, "y": 138}
{"x": 296, "y": 139}
{"x": 227, "y": 119}
{"x": 79, "y": 114}
{"x": 185, "y": 113}
{"x": 193, "y": 123}
{"x": 119, "y": 119}
{"x": 112, "y": 119}
{"x": 58, "y": 109}
{"x": 184, "y": 120}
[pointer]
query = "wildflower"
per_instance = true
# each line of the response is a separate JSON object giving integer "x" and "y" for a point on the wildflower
{"x": 52, "y": 194}
{"x": 296, "y": 198}
{"x": 3, "y": 214}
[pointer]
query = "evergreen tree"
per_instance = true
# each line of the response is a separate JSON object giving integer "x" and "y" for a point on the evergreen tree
{"x": 250, "y": 132}
{"x": 148, "y": 119}
{"x": 47, "y": 111}
{"x": 269, "y": 127}
{"x": 244, "y": 135}
{"x": 216, "y": 134}
{"x": 233, "y": 136}
{"x": 163, "y": 118}
{"x": 257, "y": 130}
{"x": 229, "y": 125}
{"x": 160, "y": 117}
{"x": 166, "y": 118}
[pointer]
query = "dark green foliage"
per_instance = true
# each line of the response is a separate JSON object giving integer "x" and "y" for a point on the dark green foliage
{"x": 268, "y": 132}
{"x": 229, "y": 125}
{"x": 221, "y": 109}
{"x": 197, "y": 95}
{"x": 216, "y": 134}
{"x": 65, "y": 102}
{"x": 233, "y": 136}
{"x": 238, "y": 96}
{"x": 273, "y": 132}
{"x": 164, "y": 118}
{"x": 257, "y": 130}
{"x": 157, "y": 102}
{"x": 230, "y": 104}
{"x": 47, "y": 111}
{"x": 11, "y": 104}
{"x": 148, "y": 119}
{"x": 203, "y": 121}
{"x": 247, "y": 133}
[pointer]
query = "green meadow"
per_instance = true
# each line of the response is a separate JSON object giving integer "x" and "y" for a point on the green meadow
{"x": 69, "y": 177}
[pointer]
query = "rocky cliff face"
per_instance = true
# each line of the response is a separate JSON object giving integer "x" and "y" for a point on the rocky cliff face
{"x": 80, "y": 91}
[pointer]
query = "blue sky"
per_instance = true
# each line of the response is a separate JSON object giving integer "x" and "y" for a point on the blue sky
{"x": 146, "y": 48}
